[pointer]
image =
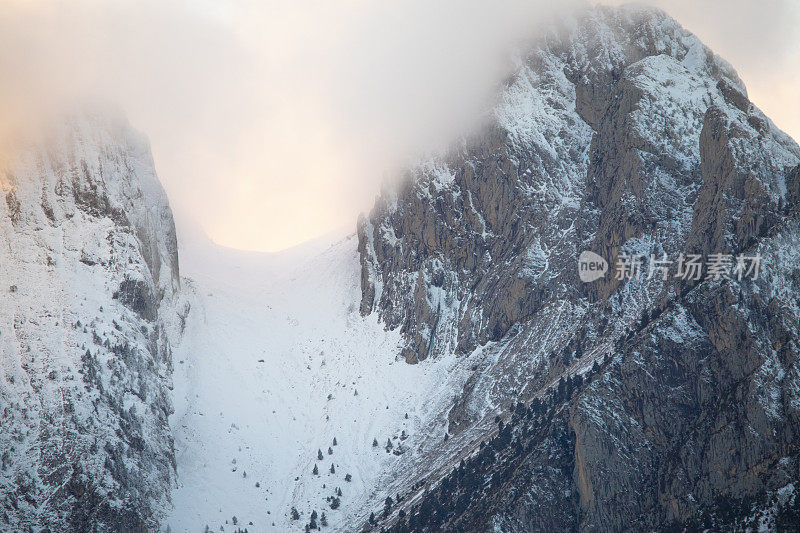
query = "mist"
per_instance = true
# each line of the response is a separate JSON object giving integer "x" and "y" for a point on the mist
{"x": 273, "y": 124}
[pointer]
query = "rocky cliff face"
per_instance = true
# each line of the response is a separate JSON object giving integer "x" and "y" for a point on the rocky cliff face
{"x": 88, "y": 314}
{"x": 658, "y": 401}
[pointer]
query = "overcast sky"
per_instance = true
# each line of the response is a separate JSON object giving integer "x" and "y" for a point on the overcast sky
{"x": 274, "y": 122}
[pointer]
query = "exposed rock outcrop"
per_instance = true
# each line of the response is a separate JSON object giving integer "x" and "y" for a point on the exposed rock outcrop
{"x": 622, "y": 134}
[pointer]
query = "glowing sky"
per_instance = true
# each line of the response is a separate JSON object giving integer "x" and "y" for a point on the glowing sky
{"x": 275, "y": 122}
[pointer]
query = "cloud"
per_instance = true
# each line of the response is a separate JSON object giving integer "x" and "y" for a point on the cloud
{"x": 270, "y": 123}
{"x": 275, "y": 122}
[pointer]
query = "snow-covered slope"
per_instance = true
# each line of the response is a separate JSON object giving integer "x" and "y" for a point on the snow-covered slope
{"x": 276, "y": 363}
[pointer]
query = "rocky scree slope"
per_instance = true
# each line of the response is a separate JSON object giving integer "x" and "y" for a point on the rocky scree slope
{"x": 90, "y": 292}
{"x": 620, "y": 132}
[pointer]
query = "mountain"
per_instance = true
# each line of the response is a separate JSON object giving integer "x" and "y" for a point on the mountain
{"x": 446, "y": 367}
{"x": 620, "y": 404}
{"x": 90, "y": 309}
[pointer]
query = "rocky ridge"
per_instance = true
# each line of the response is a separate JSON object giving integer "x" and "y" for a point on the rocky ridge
{"x": 90, "y": 310}
{"x": 619, "y": 133}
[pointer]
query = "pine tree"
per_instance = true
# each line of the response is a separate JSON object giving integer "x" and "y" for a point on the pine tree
{"x": 315, "y": 471}
{"x": 334, "y": 441}
{"x": 348, "y": 478}
{"x": 333, "y": 470}
{"x": 330, "y": 450}
{"x": 335, "y": 503}
{"x": 338, "y": 491}
{"x": 372, "y": 518}
{"x": 374, "y": 443}
{"x": 295, "y": 514}
{"x": 387, "y": 506}
{"x": 389, "y": 444}
{"x": 323, "y": 520}
{"x": 319, "y": 455}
